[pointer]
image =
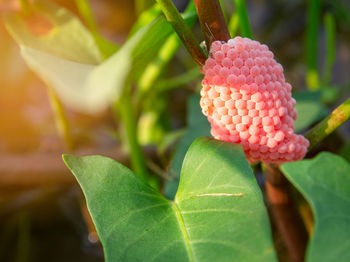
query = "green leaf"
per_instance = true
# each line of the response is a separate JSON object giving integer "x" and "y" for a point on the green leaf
{"x": 309, "y": 108}
{"x": 68, "y": 38}
{"x": 218, "y": 213}
{"x": 106, "y": 47}
{"x": 198, "y": 125}
{"x": 78, "y": 81}
{"x": 145, "y": 18}
{"x": 325, "y": 183}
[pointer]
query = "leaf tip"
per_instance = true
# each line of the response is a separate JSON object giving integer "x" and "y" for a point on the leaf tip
{"x": 68, "y": 159}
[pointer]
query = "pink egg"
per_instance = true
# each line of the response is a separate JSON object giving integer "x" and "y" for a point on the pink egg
{"x": 247, "y": 101}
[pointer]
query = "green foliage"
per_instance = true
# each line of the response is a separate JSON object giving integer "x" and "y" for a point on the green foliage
{"x": 146, "y": 17}
{"x": 68, "y": 38}
{"x": 218, "y": 213}
{"x": 197, "y": 125}
{"x": 330, "y": 48}
{"x": 153, "y": 120}
{"x": 309, "y": 108}
{"x": 311, "y": 44}
{"x": 325, "y": 183}
{"x": 72, "y": 67}
{"x": 106, "y": 47}
{"x": 243, "y": 20}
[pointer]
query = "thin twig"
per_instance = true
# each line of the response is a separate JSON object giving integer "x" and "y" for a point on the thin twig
{"x": 212, "y": 21}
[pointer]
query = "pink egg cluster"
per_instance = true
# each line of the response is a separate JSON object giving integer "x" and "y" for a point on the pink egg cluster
{"x": 247, "y": 101}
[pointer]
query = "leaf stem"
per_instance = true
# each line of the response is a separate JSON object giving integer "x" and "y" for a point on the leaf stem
{"x": 330, "y": 48}
{"x": 312, "y": 77}
{"x": 61, "y": 119}
{"x": 233, "y": 25}
{"x": 244, "y": 24}
{"x": 329, "y": 124}
{"x": 175, "y": 19}
{"x": 127, "y": 114}
{"x": 212, "y": 21}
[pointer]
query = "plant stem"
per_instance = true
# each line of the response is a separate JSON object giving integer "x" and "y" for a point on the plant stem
{"x": 212, "y": 21}
{"x": 329, "y": 124}
{"x": 86, "y": 13}
{"x": 106, "y": 47}
{"x": 165, "y": 54}
{"x": 175, "y": 19}
{"x": 61, "y": 119}
{"x": 284, "y": 215}
{"x": 183, "y": 79}
{"x": 330, "y": 48}
{"x": 312, "y": 77}
{"x": 128, "y": 117}
{"x": 233, "y": 25}
{"x": 244, "y": 24}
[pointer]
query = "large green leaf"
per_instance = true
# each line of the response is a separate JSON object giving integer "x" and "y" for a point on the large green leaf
{"x": 309, "y": 108}
{"x": 198, "y": 125}
{"x": 80, "y": 81}
{"x": 325, "y": 183}
{"x": 218, "y": 213}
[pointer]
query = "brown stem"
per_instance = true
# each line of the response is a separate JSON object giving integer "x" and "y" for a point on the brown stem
{"x": 284, "y": 216}
{"x": 212, "y": 21}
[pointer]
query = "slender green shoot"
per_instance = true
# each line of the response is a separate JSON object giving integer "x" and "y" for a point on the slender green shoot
{"x": 164, "y": 56}
{"x": 312, "y": 76}
{"x": 145, "y": 18}
{"x": 330, "y": 48}
{"x": 243, "y": 18}
{"x": 125, "y": 108}
{"x": 87, "y": 14}
{"x": 181, "y": 80}
{"x": 329, "y": 124}
{"x": 106, "y": 47}
{"x": 183, "y": 31}
{"x": 62, "y": 124}
{"x": 233, "y": 25}
{"x": 154, "y": 69}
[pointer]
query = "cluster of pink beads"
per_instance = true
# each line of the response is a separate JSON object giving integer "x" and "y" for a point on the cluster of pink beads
{"x": 247, "y": 101}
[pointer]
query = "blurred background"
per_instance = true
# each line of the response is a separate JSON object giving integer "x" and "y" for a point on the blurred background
{"x": 42, "y": 212}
